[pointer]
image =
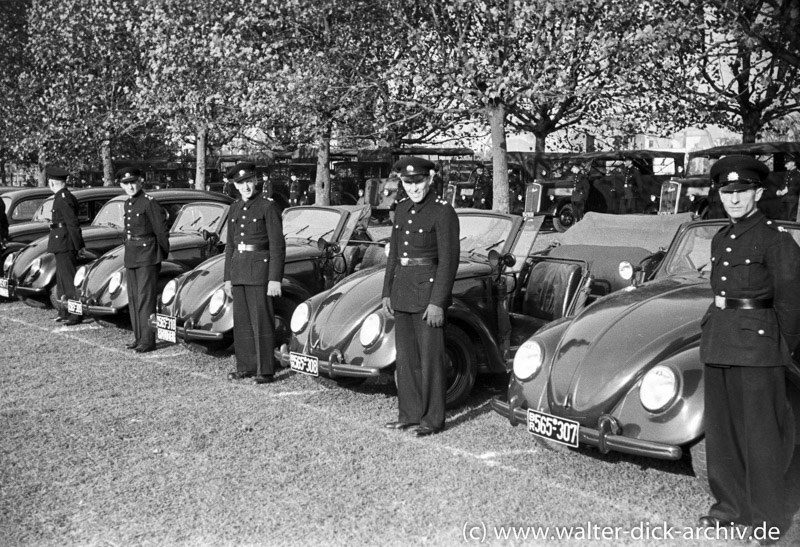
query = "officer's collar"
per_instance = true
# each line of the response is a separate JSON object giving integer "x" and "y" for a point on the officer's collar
{"x": 741, "y": 226}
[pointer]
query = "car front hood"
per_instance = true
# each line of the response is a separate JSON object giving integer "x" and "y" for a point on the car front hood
{"x": 197, "y": 286}
{"x": 612, "y": 343}
{"x": 101, "y": 271}
{"x": 28, "y": 230}
{"x": 179, "y": 241}
{"x": 342, "y": 309}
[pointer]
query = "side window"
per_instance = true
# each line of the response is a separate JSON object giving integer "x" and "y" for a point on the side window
{"x": 83, "y": 212}
{"x": 171, "y": 212}
{"x": 24, "y": 210}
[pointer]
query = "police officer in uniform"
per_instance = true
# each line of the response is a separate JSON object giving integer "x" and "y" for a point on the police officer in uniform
{"x": 3, "y": 225}
{"x": 146, "y": 245}
{"x": 790, "y": 191}
{"x": 254, "y": 258}
{"x": 65, "y": 241}
{"x": 420, "y": 272}
{"x": 748, "y": 335}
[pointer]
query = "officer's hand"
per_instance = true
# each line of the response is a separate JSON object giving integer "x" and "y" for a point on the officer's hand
{"x": 82, "y": 252}
{"x": 228, "y": 287}
{"x": 434, "y": 316}
{"x": 274, "y": 288}
{"x": 387, "y": 305}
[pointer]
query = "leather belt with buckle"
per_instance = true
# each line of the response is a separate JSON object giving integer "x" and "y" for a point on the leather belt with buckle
{"x": 742, "y": 303}
{"x": 58, "y": 225}
{"x": 141, "y": 238}
{"x": 418, "y": 261}
{"x": 241, "y": 247}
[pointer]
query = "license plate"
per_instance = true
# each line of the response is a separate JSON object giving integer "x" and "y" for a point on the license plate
{"x": 166, "y": 328}
{"x": 74, "y": 307}
{"x": 467, "y": 191}
{"x": 562, "y": 191}
{"x": 553, "y": 428}
{"x": 304, "y": 364}
{"x": 4, "y": 287}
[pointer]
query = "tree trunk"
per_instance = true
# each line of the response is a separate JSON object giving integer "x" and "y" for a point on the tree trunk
{"x": 751, "y": 125}
{"x": 41, "y": 168}
{"x": 496, "y": 113}
{"x": 200, "y": 156}
{"x": 322, "y": 184}
{"x": 108, "y": 166}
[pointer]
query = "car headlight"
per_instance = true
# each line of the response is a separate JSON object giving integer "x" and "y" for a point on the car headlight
{"x": 80, "y": 275}
{"x": 36, "y": 265}
{"x": 217, "y": 301}
{"x": 658, "y": 389}
{"x": 169, "y": 292}
{"x": 626, "y": 270}
{"x": 8, "y": 262}
{"x": 115, "y": 282}
{"x": 300, "y": 318}
{"x": 371, "y": 329}
{"x": 528, "y": 360}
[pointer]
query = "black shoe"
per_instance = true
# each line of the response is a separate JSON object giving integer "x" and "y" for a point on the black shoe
{"x": 74, "y": 320}
{"x": 239, "y": 375}
{"x": 60, "y": 318}
{"x": 144, "y": 349}
{"x": 424, "y": 431}
{"x": 265, "y": 379}
{"x": 132, "y": 345}
{"x": 398, "y": 425}
{"x": 707, "y": 521}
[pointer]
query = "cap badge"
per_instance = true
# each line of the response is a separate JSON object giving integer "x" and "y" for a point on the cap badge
{"x": 409, "y": 167}
{"x": 242, "y": 172}
{"x": 733, "y": 175}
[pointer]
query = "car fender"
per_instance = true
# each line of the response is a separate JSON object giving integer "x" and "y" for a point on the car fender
{"x": 681, "y": 422}
{"x": 465, "y": 318}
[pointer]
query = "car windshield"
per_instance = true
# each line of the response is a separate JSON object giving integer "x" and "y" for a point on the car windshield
{"x": 482, "y": 233}
{"x": 45, "y": 211}
{"x": 310, "y": 224}
{"x": 111, "y": 214}
{"x": 197, "y": 217}
{"x": 693, "y": 250}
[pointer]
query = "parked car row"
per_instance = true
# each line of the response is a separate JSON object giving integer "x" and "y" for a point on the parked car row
{"x": 598, "y": 334}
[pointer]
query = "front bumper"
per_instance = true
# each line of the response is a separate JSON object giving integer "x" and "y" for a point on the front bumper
{"x": 333, "y": 368}
{"x": 36, "y": 292}
{"x": 95, "y": 310}
{"x": 601, "y": 438}
{"x": 188, "y": 333}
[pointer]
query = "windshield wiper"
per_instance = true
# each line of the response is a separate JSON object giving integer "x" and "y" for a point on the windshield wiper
{"x": 493, "y": 245}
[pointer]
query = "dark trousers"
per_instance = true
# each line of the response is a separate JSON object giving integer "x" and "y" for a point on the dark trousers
{"x": 749, "y": 442}
{"x": 142, "y": 283}
{"x": 253, "y": 330}
{"x": 66, "y": 265}
{"x": 421, "y": 375}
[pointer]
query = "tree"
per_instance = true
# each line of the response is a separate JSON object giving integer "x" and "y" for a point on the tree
{"x": 747, "y": 72}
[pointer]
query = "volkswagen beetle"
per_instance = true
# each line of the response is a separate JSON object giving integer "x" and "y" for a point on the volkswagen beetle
{"x": 502, "y": 294}
{"x": 29, "y": 274}
{"x": 196, "y": 235}
{"x": 323, "y": 244}
{"x": 625, "y": 374}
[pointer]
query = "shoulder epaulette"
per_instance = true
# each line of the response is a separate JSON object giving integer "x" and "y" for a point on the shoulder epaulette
{"x": 149, "y": 196}
{"x": 402, "y": 200}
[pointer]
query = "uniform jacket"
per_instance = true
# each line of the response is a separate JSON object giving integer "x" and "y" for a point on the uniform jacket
{"x": 146, "y": 232}
{"x": 428, "y": 229}
{"x": 256, "y": 221}
{"x": 753, "y": 258}
{"x": 791, "y": 181}
{"x": 3, "y": 220}
{"x": 65, "y": 229}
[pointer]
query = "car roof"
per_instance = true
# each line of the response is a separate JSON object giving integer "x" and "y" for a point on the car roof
{"x": 776, "y": 147}
{"x": 21, "y": 193}
{"x": 183, "y": 194}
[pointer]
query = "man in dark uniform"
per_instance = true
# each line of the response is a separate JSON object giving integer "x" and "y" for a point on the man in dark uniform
{"x": 254, "y": 257}
{"x": 749, "y": 334}
{"x": 420, "y": 272}
{"x": 146, "y": 245}
{"x": 790, "y": 191}
{"x": 65, "y": 241}
{"x": 3, "y": 225}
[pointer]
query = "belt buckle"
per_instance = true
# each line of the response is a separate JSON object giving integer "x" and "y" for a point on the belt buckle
{"x": 404, "y": 261}
{"x": 719, "y": 301}
{"x": 241, "y": 247}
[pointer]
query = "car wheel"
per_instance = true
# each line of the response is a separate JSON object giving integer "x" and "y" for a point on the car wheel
{"x": 461, "y": 367}
{"x": 283, "y": 308}
{"x": 699, "y": 465}
{"x": 55, "y": 303}
{"x": 565, "y": 218}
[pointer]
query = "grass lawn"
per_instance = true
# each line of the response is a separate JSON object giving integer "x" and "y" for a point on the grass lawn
{"x": 101, "y": 446}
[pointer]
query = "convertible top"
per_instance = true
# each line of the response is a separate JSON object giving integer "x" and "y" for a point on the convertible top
{"x": 650, "y": 232}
